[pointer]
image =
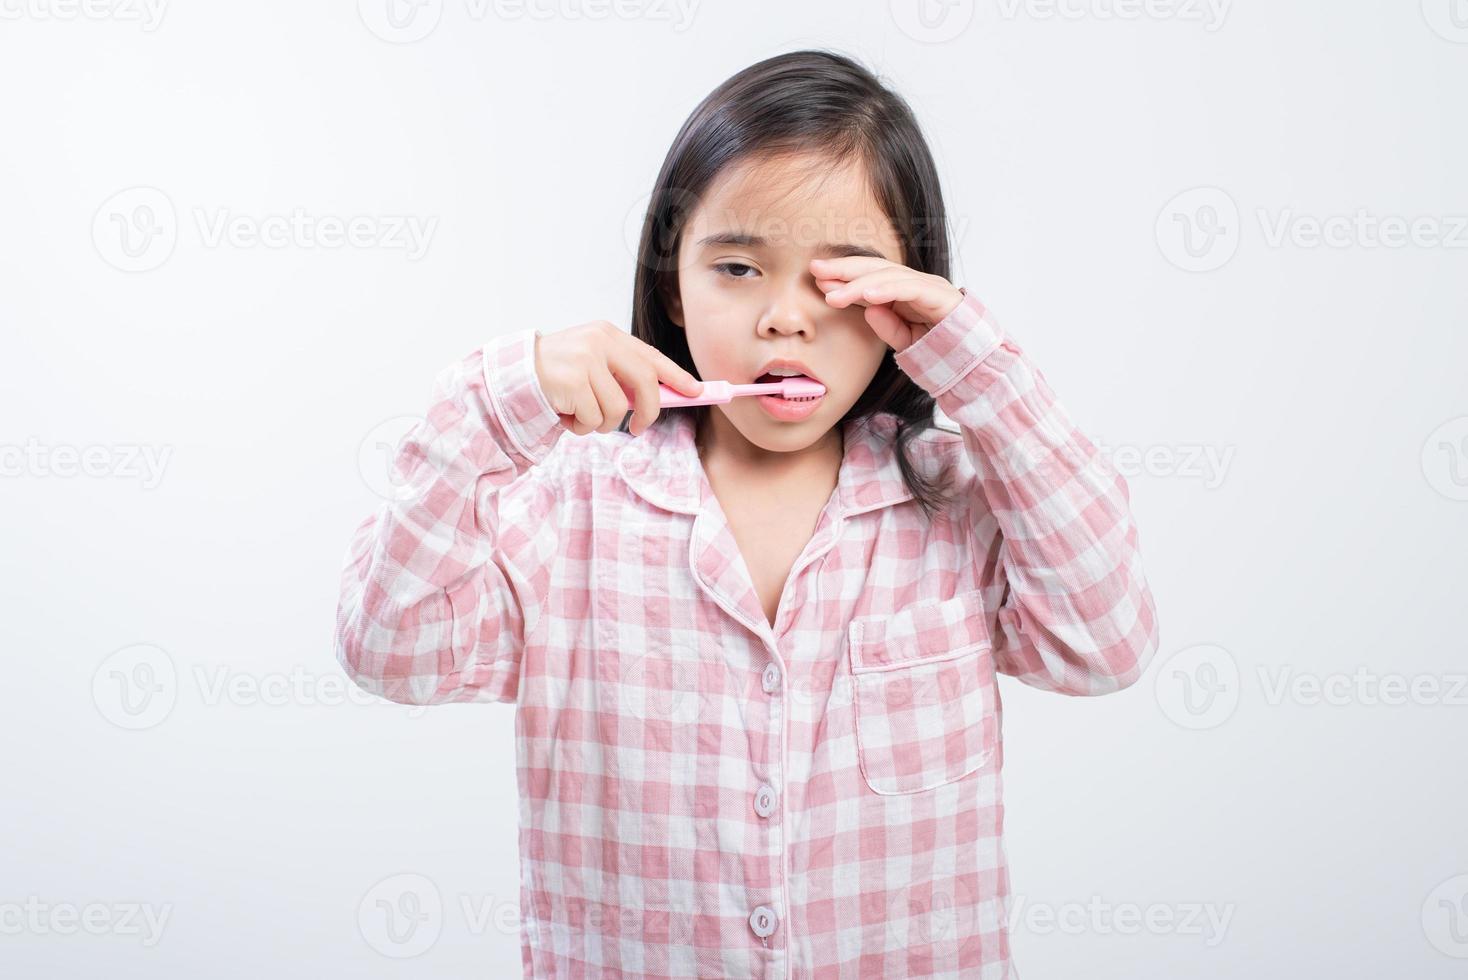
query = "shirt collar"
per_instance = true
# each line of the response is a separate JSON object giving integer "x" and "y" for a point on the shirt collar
{"x": 662, "y": 465}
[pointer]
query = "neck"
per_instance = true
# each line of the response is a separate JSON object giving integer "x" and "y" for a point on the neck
{"x": 723, "y": 448}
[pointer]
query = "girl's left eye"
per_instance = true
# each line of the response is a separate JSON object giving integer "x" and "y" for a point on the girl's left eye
{"x": 723, "y": 269}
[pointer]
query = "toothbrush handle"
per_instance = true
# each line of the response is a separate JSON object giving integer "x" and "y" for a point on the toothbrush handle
{"x": 713, "y": 393}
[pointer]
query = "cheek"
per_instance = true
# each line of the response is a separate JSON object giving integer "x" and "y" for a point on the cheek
{"x": 714, "y": 339}
{"x": 861, "y": 349}
{"x": 715, "y": 323}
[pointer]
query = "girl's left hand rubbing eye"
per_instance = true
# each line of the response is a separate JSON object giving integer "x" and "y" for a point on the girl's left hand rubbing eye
{"x": 902, "y": 304}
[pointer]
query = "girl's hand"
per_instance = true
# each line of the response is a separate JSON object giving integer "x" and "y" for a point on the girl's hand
{"x": 587, "y": 371}
{"x": 902, "y": 305}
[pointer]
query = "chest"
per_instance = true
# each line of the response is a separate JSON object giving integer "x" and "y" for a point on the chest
{"x": 771, "y": 537}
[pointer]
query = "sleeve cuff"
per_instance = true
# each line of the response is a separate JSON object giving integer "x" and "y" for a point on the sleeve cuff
{"x": 952, "y": 347}
{"x": 514, "y": 389}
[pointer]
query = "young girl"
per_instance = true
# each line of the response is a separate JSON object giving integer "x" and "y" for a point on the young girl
{"x": 753, "y": 646}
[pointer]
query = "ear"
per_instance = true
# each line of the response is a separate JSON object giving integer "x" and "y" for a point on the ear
{"x": 673, "y": 303}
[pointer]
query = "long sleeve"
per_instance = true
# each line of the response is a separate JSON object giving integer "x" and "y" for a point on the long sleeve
{"x": 441, "y": 582}
{"x": 1076, "y": 615}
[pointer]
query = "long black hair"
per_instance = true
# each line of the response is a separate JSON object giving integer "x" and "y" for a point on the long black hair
{"x": 803, "y": 101}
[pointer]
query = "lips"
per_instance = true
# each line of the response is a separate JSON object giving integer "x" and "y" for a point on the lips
{"x": 781, "y": 364}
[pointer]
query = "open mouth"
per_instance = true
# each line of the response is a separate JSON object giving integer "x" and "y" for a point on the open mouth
{"x": 788, "y": 408}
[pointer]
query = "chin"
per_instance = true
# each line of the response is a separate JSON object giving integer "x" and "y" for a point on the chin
{"x": 774, "y": 435}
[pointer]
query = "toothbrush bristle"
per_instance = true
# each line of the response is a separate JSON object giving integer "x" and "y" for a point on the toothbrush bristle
{"x": 801, "y": 389}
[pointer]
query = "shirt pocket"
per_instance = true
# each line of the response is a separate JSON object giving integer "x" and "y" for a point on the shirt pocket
{"x": 923, "y": 694}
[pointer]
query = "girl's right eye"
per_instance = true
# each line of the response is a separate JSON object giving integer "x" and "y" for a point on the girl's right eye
{"x": 723, "y": 268}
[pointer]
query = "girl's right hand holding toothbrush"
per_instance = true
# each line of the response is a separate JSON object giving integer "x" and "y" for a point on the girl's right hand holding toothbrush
{"x": 587, "y": 370}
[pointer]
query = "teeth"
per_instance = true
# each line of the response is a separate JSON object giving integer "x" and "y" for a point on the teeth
{"x": 786, "y": 373}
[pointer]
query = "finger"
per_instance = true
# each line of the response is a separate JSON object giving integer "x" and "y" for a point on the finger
{"x": 588, "y": 410}
{"x": 612, "y": 398}
{"x": 916, "y": 293}
{"x": 895, "y": 333}
{"x": 638, "y": 378}
{"x": 847, "y": 267}
{"x": 855, "y": 291}
{"x": 666, "y": 369}
{"x": 669, "y": 372}
{"x": 566, "y": 411}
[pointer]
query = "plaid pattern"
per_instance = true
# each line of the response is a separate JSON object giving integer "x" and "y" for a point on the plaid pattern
{"x": 703, "y": 794}
{"x": 925, "y": 704}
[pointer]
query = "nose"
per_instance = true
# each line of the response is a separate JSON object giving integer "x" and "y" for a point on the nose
{"x": 792, "y": 309}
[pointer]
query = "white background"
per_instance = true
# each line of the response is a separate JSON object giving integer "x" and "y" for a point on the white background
{"x": 1265, "y": 771}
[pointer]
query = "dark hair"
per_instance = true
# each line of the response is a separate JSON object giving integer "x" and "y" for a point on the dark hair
{"x": 803, "y": 101}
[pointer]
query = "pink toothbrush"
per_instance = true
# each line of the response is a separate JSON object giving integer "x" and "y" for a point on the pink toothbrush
{"x": 719, "y": 392}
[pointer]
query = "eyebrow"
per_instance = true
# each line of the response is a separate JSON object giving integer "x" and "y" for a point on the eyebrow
{"x": 831, "y": 250}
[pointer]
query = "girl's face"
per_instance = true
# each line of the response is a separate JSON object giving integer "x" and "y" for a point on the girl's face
{"x": 747, "y": 296}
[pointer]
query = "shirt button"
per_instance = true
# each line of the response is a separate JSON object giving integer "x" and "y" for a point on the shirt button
{"x": 764, "y": 801}
{"x": 771, "y": 679}
{"x": 762, "y": 920}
